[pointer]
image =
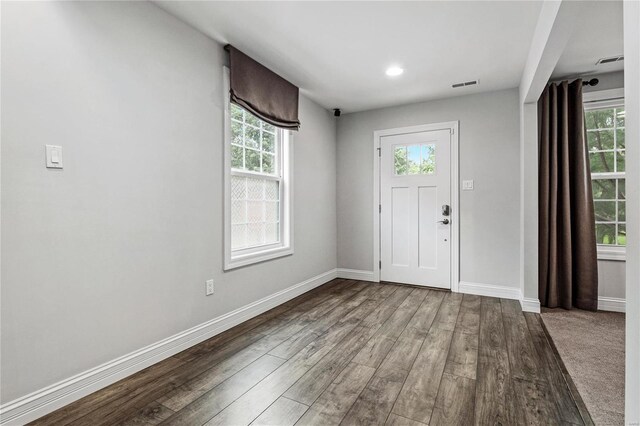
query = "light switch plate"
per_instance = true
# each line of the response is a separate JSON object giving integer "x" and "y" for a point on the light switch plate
{"x": 467, "y": 185}
{"x": 209, "y": 290}
{"x": 54, "y": 156}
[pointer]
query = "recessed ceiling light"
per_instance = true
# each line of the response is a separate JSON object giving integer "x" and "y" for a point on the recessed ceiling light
{"x": 394, "y": 71}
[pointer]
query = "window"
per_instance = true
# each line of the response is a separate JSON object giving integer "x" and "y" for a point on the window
{"x": 416, "y": 159}
{"x": 257, "y": 217}
{"x": 606, "y": 140}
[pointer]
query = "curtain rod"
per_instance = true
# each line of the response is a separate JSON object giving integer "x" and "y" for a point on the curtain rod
{"x": 590, "y": 82}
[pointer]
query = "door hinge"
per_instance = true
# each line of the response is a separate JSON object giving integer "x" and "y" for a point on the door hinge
{"x": 453, "y": 131}
{"x": 379, "y": 208}
{"x": 380, "y": 264}
{"x": 379, "y": 152}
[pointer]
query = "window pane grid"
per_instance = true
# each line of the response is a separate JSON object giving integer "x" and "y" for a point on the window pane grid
{"x": 417, "y": 159}
{"x": 255, "y": 200}
{"x": 255, "y": 214}
{"x": 605, "y": 136}
{"x": 610, "y": 214}
{"x": 254, "y": 143}
{"x": 593, "y": 151}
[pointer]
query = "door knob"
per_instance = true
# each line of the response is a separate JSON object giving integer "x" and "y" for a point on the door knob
{"x": 444, "y": 221}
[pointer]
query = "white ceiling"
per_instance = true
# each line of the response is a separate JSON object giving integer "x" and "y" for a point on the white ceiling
{"x": 337, "y": 52}
{"x": 598, "y": 34}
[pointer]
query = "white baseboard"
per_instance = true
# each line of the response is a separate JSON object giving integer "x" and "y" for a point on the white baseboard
{"x": 355, "y": 274}
{"x": 527, "y": 304}
{"x": 530, "y": 305}
{"x": 44, "y": 401}
{"x": 612, "y": 304}
{"x": 489, "y": 290}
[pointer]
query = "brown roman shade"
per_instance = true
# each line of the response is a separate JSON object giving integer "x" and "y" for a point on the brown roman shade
{"x": 262, "y": 92}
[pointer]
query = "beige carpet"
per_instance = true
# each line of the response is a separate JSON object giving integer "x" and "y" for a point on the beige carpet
{"x": 591, "y": 345}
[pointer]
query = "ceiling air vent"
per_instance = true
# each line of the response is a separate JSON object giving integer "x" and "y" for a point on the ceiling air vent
{"x": 466, "y": 83}
{"x": 610, "y": 60}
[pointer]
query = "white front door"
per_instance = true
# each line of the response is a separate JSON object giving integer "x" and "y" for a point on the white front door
{"x": 415, "y": 217}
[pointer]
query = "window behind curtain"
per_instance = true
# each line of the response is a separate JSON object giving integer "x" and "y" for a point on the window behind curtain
{"x": 606, "y": 138}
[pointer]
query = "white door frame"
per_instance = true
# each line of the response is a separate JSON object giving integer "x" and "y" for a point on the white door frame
{"x": 452, "y": 126}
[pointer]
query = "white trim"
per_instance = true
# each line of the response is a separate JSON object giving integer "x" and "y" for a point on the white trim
{"x": 603, "y": 95}
{"x": 453, "y": 126}
{"x": 46, "y": 400}
{"x": 612, "y": 304}
{"x": 263, "y": 255}
{"x": 530, "y": 305}
{"x": 226, "y": 167}
{"x": 376, "y": 206}
{"x": 356, "y": 274}
{"x": 490, "y": 290}
{"x": 455, "y": 206}
{"x": 608, "y": 175}
{"x": 618, "y": 253}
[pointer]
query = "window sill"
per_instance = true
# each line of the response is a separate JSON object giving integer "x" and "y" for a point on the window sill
{"x": 239, "y": 261}
{"x": 612, "y": 253}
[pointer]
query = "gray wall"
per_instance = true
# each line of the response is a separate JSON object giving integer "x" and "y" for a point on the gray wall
{"x": 609, "y": 80}
{"x": 489, "y": 154}
{"x": 611, "y": 278}
{"x": 111, "y": 253}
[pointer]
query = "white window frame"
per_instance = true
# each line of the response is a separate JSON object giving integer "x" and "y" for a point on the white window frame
{"x": 599, "y": 100}
{"x": 248, "y": 256}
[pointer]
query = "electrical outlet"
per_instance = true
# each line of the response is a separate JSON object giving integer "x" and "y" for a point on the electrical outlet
{"x": 209, "y": 287}
{"x": 467, "y": 185}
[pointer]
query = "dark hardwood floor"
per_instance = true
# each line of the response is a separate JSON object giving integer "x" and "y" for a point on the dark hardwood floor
{"x": 352, "y": 352}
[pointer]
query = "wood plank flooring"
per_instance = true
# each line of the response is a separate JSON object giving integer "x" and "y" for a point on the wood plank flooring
{"x": 353, "y": 353}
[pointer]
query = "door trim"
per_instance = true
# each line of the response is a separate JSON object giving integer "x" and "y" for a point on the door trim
{"x": 453, "y": 127}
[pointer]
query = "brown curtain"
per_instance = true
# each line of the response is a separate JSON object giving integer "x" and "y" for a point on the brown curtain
{"x": 262, "y": 92}
{"x": 568, "y": 267}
